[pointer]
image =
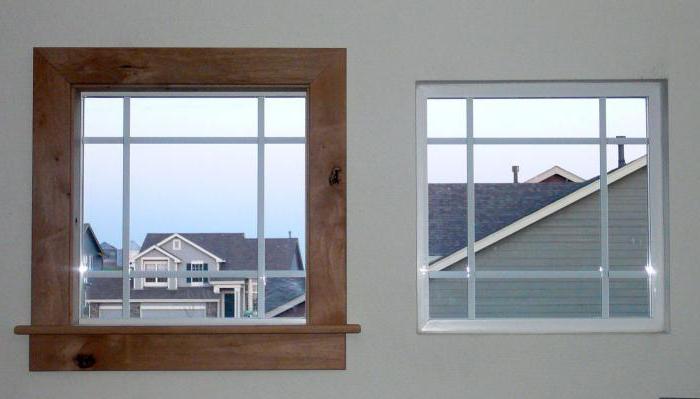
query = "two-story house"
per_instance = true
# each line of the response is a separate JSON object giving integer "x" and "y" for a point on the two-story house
{"x": 163, "y": 297}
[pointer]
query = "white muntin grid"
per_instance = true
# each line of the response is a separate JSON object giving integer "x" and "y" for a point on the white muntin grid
{"x": 655, "y": 272}
{"x": 261, "y": 274}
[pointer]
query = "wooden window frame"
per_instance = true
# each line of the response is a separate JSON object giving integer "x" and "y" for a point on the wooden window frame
{"x": 56, "y": 341}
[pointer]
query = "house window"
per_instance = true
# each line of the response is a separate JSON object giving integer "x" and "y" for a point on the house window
{"x": 541, "y": 207}
{"x": 198, "y": 266}
{"x": 155, "y": 266}
{"x": 177, "y": 244}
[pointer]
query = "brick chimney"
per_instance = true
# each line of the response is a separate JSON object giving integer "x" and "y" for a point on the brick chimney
{"x": 515, "y": 169}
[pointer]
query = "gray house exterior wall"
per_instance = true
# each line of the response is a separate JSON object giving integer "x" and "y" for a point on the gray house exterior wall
{"x": 568, "y": 240}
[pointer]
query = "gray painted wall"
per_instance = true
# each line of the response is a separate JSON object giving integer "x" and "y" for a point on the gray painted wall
{"x": 391, "y": 44}
{"x": 564, "y": 241}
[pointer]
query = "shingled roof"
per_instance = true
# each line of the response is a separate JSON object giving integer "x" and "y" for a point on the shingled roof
{"x": 239, "y": 252}
{"x": 499, "y": 204}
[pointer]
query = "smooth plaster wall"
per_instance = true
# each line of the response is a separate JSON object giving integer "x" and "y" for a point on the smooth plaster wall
{"x": 391, "y": 45}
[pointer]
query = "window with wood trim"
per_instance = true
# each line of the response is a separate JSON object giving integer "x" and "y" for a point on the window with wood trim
{"x": 108, "y": 128}
{"x": 541, "y": 207}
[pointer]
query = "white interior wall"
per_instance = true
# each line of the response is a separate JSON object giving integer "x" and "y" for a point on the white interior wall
{"x": 391, "y": 44}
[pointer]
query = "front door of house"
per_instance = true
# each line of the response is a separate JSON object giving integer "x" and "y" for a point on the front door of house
{"x": 229, "y": 305}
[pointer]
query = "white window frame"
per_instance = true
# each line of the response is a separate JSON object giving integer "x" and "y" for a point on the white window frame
{"x": 200, "y": 268}
{"x": 127, "y": 273}
{"x": 654, "y": 92}
{"x": 151, "y": 263}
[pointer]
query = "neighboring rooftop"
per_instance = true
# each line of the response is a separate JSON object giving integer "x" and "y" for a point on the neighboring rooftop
{"x": 239, "y": 252}
{"x": 499, "y": 204}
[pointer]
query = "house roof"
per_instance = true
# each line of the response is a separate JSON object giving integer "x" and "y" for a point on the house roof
{"x": 499, "y": 204}
{"x": 555, "y": 171}
{"x": 496, "y": 232}
{"x": 237, "y": 251}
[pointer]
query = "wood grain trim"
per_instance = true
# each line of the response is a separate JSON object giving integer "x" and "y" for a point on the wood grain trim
{"x": 326, "y": 228}
{"x": 189, "y": 66}
{"x": 186, "y": 330}
{"x": 58, "y": 74}
{"x": 51, "y": 196}
{"x": 189, "y": 352}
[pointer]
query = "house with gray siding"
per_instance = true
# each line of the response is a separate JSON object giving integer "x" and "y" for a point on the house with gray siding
{"x": 550, "y": 224}
{"x": 172, "y": 297}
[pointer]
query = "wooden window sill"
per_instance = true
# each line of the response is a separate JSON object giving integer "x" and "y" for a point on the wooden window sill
{"x": 187, "y": 330}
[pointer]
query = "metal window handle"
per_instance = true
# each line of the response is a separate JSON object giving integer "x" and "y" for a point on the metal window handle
{"x": 334, "y": 177}
{"x": 84, "y": 361}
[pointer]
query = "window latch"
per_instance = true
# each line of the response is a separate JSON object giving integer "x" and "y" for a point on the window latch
{"x": 334, "y": 178}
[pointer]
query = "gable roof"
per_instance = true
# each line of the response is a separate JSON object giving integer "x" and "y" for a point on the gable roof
{"x": 237, "y": 251}
{"x": 555, "y": 171}
{"x": 159, "y": 249}
{"x": 487, "y": 237}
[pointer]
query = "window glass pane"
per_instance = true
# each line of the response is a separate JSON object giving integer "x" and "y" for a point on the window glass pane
{"x": 626, "y": 117}
{"x": 558, "y": 117}
{"x": 285, "y": 216}
{"x": 447, "y": 118}
{"x": 629, "y": 297}
{"x": 540, "y": 225}
{"x": 538, "y": 298}
{"x": 206, "y": 196}
{"x": 194, "y": 117}
{"x": 447, "y": 202}
{"x": 102, "y": 207}
{"x": 103, "y": 117}
{"x": 448, "y": 298}
{"x": 285, "y": 297}
{"x": 285, "y": 117}
{"x": 101, "y": 298}
{"x": 628, "y": 215}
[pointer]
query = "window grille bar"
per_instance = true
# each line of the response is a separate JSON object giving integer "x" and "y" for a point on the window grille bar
{"x": 126, "y": 166}
{"x": 261, "y": 207}
{"x": 471, "y": 222}
{"x": 536, "y": 140}
{"x": 604, "y": 244}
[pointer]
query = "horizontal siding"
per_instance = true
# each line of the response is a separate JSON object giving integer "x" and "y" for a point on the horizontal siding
{"x": 629, "y": 298}
{"x": 529, "y": 298}
{"x": 628, "y": 223}
{"x": 448, "y": 298}
{"x": 568, "y": 240}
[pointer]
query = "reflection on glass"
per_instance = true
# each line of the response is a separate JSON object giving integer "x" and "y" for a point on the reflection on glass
{"x": 626, "y": 117}
{"x": 103, "y": 117}
{"x": 285, "y": 117}
{"x": 515, "y": 181}
{"x": 194, "y": 117}
{"x": 557, "y": 117}
{"x": 447, "y": 118}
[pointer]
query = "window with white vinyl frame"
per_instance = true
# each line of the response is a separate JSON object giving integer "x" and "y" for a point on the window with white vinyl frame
{"x": 541, "y": 207}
